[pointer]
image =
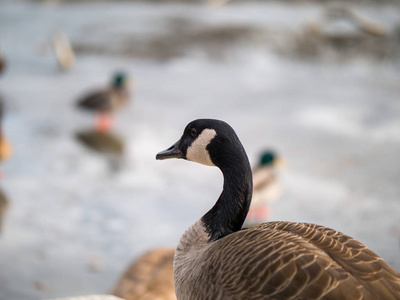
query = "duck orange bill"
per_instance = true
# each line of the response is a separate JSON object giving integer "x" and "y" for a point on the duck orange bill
{"x": 171, "y": 152}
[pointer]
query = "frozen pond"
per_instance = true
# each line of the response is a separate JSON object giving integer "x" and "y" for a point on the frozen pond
{"x": 75, "y": 223}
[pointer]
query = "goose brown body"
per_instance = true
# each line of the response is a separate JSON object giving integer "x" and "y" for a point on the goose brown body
{"x": 283, "y": 261}
{"x": 215, "y": 259}
{"x": 150, "y": 277}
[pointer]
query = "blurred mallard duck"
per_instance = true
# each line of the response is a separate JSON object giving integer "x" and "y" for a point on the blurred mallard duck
{"x": 63, "y": 50}
{"x": 149, "y": 277}
{"x": 266, "y": 187}
{"x": 106, "y": 101}
{"x": 4, "y": 204}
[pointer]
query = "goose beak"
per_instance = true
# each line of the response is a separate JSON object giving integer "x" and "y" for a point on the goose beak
{"x": 171, "y": 152}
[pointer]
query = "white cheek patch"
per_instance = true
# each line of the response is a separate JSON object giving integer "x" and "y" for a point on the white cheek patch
{"x": 197, "y": 152}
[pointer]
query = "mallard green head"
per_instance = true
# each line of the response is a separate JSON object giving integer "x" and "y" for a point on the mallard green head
{"x": 120, "y": 80}
{"x": 267, "y": 158}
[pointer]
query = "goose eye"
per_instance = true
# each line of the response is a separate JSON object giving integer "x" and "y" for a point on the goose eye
{"x": 193, "y": 132}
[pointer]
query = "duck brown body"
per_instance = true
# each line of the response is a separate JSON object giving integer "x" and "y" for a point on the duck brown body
{"x": 104, "y": 101}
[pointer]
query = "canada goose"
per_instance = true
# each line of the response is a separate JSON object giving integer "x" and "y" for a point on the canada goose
{"x": 266, "y": 187}
{"x": 106, "y": 101}
{"x": 92, "y": 297}
{"x": 217, "y": 260}
{"x": 149, "y": 277}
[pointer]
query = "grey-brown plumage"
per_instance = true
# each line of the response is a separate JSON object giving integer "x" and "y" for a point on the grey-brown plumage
{"x": 149, "y": 277}
{"x": 273, "y": 261}
{"x": 108, "y": 99}
{"x": 284, "y": 260}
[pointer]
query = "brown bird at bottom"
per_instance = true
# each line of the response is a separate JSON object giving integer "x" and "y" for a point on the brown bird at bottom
{"x": 216, "y": 259}
{"x": 149, "y": 277}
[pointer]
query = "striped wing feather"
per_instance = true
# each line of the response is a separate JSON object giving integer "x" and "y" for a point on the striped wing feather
{"x": 284, "y": 260}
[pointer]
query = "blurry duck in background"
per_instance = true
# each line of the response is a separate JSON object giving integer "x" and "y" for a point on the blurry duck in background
{"x": 63, "y": 50}
{"x": 5, "y": 153}
{"x": 266, "y": 187}
{"x": 5, "y": 146}
{"x": 105, "y": 101}
{"x": 2, "y": 63}
{"x": 149, "y": 277}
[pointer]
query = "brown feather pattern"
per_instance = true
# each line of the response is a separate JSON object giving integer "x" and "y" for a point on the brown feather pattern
{"x": 292, "y": 261}
{"x": 148, "y": 278}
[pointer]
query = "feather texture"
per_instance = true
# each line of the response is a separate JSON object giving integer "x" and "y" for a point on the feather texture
{"x": 149, "y": 277}
{"x": 290, "y": 261}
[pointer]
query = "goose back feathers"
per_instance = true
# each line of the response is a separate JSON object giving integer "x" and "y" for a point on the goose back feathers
{"x": 284, "y": 260}
{"x": 275, "y": 260}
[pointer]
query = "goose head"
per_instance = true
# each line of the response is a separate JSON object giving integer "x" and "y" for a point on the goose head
{"x": 214, "y": 143}
{"x": 206, "y": 141}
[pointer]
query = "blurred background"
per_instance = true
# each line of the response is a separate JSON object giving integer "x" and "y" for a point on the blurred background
{"x": 316, "y": 81}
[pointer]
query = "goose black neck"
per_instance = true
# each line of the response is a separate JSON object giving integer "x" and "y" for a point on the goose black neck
{"x": 229, "y": 212}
